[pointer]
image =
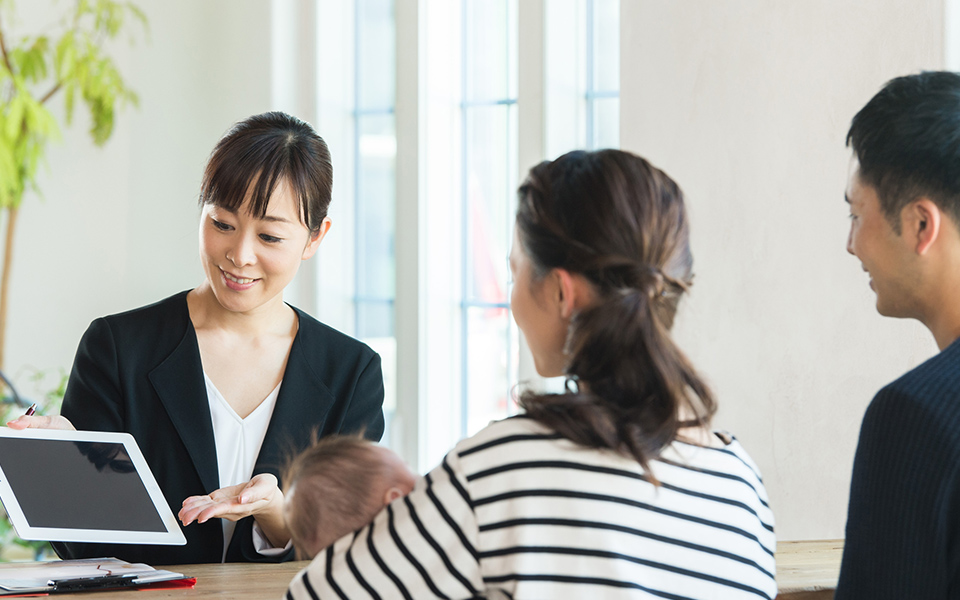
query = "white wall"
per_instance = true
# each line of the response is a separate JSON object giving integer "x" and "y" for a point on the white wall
{"x": 746, "y": 104}
{"x": 118, "y": 225}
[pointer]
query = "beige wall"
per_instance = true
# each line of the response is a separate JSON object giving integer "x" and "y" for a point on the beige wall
{"x": 746, "y": 104}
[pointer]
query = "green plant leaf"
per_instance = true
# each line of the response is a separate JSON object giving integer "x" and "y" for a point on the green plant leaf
{"x": 30, "y": 61}
{"x": 72, "y": 60}
{"x": 13, "y": 119}
{"x": 8, "y": 174}
{"x": 39, "y": 120}
{"x": 66, "y": 57}
{"x": 70, "y": 92}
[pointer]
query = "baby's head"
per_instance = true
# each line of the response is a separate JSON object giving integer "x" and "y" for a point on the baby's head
{"x": 337, "y": 486}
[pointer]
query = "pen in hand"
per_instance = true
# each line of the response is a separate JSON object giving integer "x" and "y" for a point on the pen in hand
{"x": 36, "y": 421}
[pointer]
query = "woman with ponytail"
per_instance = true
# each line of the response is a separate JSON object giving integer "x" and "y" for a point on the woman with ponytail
{"x": 616, "y": 488}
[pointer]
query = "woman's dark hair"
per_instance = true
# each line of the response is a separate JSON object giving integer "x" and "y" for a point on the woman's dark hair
{"x": 262, "y": 151}
{"x": 618, "y": 221}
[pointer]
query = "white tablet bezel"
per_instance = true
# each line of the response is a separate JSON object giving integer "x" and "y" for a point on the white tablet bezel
{"x": 172, "y": 536}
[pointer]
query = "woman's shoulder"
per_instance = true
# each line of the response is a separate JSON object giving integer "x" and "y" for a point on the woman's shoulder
{"x": 145, "y": 333}
{"x": 511, "y": 429}
{"x": 729, "y": 456}
{"x": 149, "y": 313}
{"x": 513, "y": 439}
{"x": 316, "y": 334}
{"x": 729, "y": 467}
{"x": 169, "y": 315}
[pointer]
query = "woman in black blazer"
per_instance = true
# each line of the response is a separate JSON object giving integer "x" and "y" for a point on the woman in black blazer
{"x": 162, "y": 372}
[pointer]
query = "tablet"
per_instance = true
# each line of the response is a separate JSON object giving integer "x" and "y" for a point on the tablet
{"x": 82, "y": 486}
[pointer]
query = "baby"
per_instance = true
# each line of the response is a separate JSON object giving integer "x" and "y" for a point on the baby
{"x": 337, "y": 486}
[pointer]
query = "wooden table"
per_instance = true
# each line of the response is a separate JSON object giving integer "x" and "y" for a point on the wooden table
{"x": 808, "y": 570}
{"x": 233, "y": 580}
{"x": 805, "y": 571}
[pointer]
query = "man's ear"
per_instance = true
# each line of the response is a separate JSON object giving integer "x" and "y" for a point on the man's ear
{"x": 315, "y": 238}
{"x": 922, "y": 220}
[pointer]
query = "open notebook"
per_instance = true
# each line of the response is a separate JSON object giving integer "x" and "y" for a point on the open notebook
{"x": 86, "y": 574}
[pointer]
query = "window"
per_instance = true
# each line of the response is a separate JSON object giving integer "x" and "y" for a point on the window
{"x": 374, "y": 176}
{"x": 582, "y": 98}
{"x": 356, "y": 87}
{"x": 471, "y": 180}
{"x": 602, "y": 95}
{"x": 488, "y": 343}
{"x": 457, "y": 113}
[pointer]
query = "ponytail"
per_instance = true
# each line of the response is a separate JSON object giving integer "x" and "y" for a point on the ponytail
{"x": 630, "y": 381}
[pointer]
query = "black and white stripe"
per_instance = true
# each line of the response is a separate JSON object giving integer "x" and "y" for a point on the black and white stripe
{"x": 518, "y": 512}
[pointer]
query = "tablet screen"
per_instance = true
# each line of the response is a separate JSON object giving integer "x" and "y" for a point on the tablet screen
{"x": 82, "y": 486}
{"x": 48, "y": 472}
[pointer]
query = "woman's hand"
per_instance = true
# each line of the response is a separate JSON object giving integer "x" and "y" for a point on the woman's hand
{"x": 40, "y": 422}
{"x": 260, "y": 497}
{"x": 234, "y": 502}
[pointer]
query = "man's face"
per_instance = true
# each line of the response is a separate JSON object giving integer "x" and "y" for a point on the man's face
{"x": 884, "y": 254}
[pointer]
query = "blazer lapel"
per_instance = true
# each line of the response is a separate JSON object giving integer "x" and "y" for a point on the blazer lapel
{"x": 302, "y": 408}
{"x": 178, "y": 381}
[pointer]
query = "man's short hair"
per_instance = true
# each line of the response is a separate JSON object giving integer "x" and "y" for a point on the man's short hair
{"x": 907, "y": 139}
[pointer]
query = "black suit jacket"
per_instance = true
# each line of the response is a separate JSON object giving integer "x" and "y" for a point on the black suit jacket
{"x": 140, "y": 372}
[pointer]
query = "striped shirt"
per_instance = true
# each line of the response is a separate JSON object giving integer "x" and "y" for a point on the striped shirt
{"x": 518, "y": 512}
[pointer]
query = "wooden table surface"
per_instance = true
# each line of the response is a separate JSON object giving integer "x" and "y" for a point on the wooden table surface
{"x": 808, "y": 570}
{"x": 805, "y": 571}
{"x": 233, "y": 580}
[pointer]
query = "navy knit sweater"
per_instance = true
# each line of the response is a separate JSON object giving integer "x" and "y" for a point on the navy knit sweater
{"x": 903, "y": 523}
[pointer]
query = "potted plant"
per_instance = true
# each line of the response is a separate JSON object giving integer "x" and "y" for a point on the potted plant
{"x": 36, "y": 68}
{"x": 68, "y": 60}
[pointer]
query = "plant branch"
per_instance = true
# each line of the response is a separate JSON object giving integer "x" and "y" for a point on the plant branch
{"x": 52, "y": 91}
{"x": 12, "y": 212}
{"x": 3, "y": 50}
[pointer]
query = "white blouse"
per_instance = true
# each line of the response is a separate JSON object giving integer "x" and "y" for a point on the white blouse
{"x": 238, "y": 444}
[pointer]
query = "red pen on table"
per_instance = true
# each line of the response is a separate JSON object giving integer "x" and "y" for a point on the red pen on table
{"x": 31, "y": 410}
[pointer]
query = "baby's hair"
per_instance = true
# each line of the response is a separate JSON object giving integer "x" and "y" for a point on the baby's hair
{"x": 331, "y": 482}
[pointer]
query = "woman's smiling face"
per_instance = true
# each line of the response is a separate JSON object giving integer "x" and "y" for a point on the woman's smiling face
{"x": 248, "y": 261}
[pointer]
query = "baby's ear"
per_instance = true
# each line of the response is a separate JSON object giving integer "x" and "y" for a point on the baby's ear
{"x": 392, "y": 494}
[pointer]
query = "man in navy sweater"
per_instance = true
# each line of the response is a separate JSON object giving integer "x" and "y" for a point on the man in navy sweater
{"x": 903, "y": 524}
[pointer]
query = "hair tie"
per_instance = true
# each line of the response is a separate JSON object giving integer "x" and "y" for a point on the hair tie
{"x": 650, "y": 281}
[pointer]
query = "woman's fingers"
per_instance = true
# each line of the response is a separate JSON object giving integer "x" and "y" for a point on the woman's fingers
{"x": 233, "y": 502}
{"x": 191, "y": 508}
{"x": 40, "y": 422}
{"x": 202, "y": 511}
